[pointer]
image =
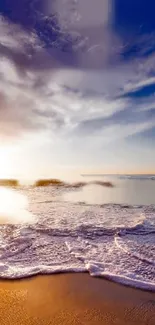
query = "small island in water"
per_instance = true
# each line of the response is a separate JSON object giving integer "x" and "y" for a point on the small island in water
{"x": 54, "y": 182}
{"x": 9, "y": 182}
{"x": 59, "y": 183}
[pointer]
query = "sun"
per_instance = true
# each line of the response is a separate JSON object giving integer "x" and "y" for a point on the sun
{"x": 14, "y": 207}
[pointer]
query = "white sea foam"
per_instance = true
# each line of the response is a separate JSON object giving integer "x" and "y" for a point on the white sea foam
{"x": 110, "y": 241}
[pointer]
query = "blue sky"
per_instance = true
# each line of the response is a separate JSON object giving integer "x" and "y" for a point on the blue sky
{"x": 77, "y": 86}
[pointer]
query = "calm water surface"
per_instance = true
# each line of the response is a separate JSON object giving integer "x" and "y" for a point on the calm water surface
{"x": 133, "y": 191}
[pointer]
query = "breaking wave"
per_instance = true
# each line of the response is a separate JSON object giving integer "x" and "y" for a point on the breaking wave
{"x": 111, "y": 241}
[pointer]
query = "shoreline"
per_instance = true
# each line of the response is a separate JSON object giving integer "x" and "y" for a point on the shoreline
{"x": 73, "y": 298}
{"x": 125, "y": 282}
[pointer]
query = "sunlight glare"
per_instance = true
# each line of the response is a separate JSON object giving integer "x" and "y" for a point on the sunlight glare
{"x": 6, "y": 163}
{"x": 14, "y": 207}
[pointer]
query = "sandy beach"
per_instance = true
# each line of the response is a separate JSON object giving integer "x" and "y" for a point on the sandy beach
{"x": 73, "y": 299}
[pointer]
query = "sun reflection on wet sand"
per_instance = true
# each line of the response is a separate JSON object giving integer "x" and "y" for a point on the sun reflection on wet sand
{"x": 14, "y": 207}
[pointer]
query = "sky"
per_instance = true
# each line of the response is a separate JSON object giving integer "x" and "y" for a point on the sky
{"x": 77, "y": 87}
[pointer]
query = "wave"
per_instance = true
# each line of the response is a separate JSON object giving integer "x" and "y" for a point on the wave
{"x": 111, "y": 241}
{"x": 137, "y": 177}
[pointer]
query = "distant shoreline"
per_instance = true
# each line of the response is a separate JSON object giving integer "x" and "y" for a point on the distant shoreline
{"x": 99, "y": 175}
{"x": 59, "y": 183}
{"x": 54, "y": 182}
{"x": 10, "y": 182}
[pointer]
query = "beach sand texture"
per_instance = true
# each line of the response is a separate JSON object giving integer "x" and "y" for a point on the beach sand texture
{"x": 73, "y": 299}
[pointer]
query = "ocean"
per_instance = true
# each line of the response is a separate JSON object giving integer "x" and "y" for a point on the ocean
{"x": 106, "y": 231}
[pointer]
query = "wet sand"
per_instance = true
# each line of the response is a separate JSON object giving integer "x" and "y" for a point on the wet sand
{"x": 76, "y": 299}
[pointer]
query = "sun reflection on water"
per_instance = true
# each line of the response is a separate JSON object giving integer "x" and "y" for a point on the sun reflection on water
{"x": 14, "y": 207}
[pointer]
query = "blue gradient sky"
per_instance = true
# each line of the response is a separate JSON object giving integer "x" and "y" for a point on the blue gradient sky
{"x": 77, "y": 86}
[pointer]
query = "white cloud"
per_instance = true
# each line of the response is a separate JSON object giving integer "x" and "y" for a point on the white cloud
{"x": 34, "y": 100}
{"x": 142, "y": 83}
{"x": 74, "y": 14}
{"x": 116, "y": 132}
{"x": 15, "y": 38}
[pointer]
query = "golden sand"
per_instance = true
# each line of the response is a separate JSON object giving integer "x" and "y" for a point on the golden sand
{"x": 73, "y": 299}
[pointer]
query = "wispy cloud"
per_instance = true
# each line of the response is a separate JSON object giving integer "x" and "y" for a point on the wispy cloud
{"x": 72, "y": 80}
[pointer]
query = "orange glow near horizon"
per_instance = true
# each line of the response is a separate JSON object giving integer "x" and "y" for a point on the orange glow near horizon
{"x": 12, "y": 167}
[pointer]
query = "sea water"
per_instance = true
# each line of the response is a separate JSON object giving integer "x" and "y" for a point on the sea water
{"x": 48, "y": 230}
